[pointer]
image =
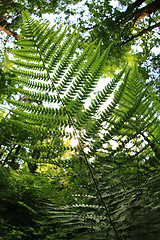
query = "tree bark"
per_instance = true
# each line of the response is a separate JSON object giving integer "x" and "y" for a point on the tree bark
{"x": 146, "y": 11}
{"x": 9, "y": 32}
{"x": 128, "y": 14}
{"x": 4, "y": 27}
{"x": 135, "y": 14}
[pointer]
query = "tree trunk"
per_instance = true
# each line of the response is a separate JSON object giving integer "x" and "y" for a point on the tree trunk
{"x": 6, "y": 159}
{"x": 15, "y": 156}
{"x": 2, "y": 152}
{"x": 33, "y": 166}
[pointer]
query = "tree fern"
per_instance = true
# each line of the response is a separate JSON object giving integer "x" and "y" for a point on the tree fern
{"x": 62, "y": 79}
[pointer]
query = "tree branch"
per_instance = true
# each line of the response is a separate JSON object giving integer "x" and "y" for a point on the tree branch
{"x": 128, "y": 14}
{"x": 146, "y": 11}
{"x": 149, "y": 29}
{"x": 90, "y": 28}
{"x": 9, "y": 32}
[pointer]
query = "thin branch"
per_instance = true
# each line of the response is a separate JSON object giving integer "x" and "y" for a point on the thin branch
{"x": 90, "y": 28}
{"x": 3, "y": 223}
{"x": 149, "y": 29}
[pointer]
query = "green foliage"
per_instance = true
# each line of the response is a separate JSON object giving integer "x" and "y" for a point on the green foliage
{"x": 23, "y": 197}
{"x": 11, "y": 11}
{"x": 16, "y": 207}
{"x": 5, "y": 91}
{"x": 113, "y": 21}
{"x": 125, "y": 112}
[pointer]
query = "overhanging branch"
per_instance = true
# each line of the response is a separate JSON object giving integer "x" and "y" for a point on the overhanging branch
{"x": 149, "y": 29}
{"x": 146, "y": 11}
{"x": 9, "y": 32}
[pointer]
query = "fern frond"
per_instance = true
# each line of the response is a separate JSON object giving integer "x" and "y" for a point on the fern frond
{"x": 40, "y": 129}
{"x": 126, "y": 176}
{"x": 43, "y": 119}
{"x": 29, "y": 74}
{"x": 34, "y": 66}
{"x": 38, "y": 109}
{"x": 38, "y": 85}
{"x": 39, "y": 96}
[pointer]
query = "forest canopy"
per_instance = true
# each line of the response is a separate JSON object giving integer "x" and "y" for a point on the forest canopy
{"x": 79, "y": 120}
